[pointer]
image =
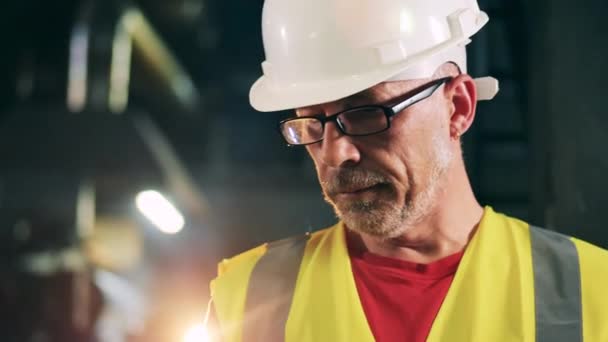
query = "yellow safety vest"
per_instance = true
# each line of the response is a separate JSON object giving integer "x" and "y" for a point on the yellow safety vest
{"x": 514, "y": 283}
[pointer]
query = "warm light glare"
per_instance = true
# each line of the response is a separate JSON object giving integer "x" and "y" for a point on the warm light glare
{"x": 160, "y": 211}
{"x": 197, "y": 333}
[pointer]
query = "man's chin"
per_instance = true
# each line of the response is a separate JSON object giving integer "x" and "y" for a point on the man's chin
{"x": 378, "y": 223}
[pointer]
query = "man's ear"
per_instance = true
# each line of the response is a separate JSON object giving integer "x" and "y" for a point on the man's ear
{"x": 462, "y": 93}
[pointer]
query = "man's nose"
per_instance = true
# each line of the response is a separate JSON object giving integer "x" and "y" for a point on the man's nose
{"x": 338, "y": 149}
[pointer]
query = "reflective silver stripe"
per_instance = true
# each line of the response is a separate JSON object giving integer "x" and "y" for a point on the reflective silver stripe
{"x": 270, "y": 292}
{"x": 557, "y": 287}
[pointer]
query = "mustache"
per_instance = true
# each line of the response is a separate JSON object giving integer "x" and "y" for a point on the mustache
{"x": 351, "y": 179}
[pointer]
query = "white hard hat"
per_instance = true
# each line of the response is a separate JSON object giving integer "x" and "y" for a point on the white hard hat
{"x": 319, "y": 51}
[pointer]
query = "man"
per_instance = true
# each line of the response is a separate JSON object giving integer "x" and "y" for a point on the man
{"x": 381, "y": 99}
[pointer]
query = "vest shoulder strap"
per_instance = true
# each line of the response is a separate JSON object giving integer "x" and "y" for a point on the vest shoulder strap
{"x": 271, "y": 288}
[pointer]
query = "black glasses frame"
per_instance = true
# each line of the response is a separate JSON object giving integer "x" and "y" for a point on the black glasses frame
{"x": 421, "y": 93}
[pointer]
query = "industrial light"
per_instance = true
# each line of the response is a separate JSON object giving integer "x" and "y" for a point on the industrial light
{"x": 156, "y": 208}
{"x": 197, "y": 333}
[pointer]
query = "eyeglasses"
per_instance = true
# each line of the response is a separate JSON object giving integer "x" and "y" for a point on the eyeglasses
{"x": 356, "y": 122}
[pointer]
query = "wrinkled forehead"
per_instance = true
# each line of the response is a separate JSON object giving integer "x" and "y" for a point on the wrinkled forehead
{"x": 377, "y": 94}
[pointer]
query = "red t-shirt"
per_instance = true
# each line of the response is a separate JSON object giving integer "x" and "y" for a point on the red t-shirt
{"x": 401, "y": 299}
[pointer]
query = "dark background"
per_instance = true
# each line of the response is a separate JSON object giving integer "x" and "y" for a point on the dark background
{"x": 536, "y": 152}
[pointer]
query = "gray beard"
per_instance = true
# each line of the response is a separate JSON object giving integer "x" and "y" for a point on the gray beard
{"x": 385, "y": 218}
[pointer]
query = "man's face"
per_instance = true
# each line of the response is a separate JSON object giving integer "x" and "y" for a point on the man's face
{"x": 385, "y": 183}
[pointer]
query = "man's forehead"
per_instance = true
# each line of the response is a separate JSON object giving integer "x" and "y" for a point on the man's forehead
{"x": 377, "y": 94}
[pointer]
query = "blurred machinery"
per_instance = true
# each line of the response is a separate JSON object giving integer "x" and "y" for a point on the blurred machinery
{"x": 90, "y": 79}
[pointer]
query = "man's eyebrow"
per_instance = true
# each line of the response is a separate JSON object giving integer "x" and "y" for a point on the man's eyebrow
{"x": 363, "y": 97}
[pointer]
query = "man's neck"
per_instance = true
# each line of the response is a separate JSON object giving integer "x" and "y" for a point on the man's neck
{"x": 445, "y": 231}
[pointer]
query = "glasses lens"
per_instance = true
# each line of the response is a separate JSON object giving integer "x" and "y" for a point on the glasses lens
{"x": 363, "y": 121}
{"x": 302, "y": 131}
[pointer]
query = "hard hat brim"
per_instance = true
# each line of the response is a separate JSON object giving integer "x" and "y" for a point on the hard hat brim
{"x": 266, "y": 97}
